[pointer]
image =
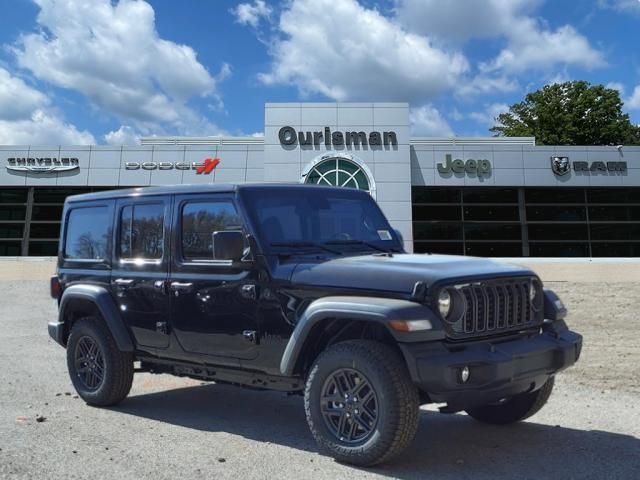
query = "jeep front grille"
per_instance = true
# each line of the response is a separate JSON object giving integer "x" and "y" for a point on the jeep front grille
{"x": 495, "y": 306}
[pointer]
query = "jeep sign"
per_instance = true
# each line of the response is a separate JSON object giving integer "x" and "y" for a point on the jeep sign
{"x": 471, "y": 166}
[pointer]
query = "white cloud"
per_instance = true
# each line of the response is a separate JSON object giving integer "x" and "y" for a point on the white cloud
{"x": 532, "y": 48}
{"x": 616, "y": 86}
{"x": 113, "y": 55}
{"x": 17, "y": 99}
{"x": 490, "y": 114}
{"x": 346, "y": 51}
{"x": 125, "y": 135}
{"x": 633, "y": 102}
{"x": 27, "y": 117}
{"x": 43, "y": 128}
{"x": 625, "y": 6}
{"x": 484, "y": 84}
{"x": 427, "y": 121}
{"x": 251, "y": 14}
{"x": 530, "y": 43}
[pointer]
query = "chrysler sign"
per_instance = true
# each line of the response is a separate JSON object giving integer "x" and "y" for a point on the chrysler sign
{"x": 42, "y": 164}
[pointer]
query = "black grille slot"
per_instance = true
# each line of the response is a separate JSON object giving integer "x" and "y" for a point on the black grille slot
{"x": 493, "y": 307}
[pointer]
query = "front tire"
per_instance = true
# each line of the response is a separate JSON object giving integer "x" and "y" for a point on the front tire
{"x": 514, "y": 409}
{"x": 100, "y": 372}
{"x": 360, "y": 403}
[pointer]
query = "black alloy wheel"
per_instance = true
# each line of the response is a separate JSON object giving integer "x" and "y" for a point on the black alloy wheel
{"x": 349, "y": 406}
{"x": 89, "y": 363}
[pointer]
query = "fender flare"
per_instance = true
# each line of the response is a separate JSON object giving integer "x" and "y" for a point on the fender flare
{"x": 378, "y": 310}
{"x": 101, "y": 298}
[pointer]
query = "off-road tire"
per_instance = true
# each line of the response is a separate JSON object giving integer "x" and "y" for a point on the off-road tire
{"x": 118, "y": 365}
{"x": 398, "y": 401}
{"x": 515, "y": 409}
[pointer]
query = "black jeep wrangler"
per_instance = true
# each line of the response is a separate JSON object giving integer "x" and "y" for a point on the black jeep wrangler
{"x": 300, "y": 289}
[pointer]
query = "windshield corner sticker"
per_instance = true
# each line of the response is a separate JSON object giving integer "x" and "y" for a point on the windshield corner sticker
{"x": 384, "y": 235}
{"x": 42, "y": 164}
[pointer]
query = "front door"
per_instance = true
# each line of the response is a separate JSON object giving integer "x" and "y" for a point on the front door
{"x": 140, "y": 268}
{"x": 213, "y": 303}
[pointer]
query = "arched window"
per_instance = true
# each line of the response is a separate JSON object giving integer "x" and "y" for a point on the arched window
{"x": 339, "y": 172}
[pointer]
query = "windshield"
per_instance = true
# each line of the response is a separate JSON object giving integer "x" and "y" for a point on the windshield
{"x": 319, "y": 218}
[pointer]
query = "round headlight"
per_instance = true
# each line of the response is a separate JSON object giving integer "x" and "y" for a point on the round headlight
{"x": 444, "y": 303}
{"x": 533, "y": 291}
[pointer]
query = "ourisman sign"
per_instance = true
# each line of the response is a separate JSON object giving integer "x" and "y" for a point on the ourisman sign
{"x": 288, "y": 136}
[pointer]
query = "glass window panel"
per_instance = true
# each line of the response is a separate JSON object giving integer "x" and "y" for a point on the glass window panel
{"x": 435, "y": 195}
{"x": 554, "y": 195}
{"x": 436, "y": 212}
{"x": 453, "y": 248}
{"x": 10, "y": 249}
{"x": 558, "y": 213}
{"x": 88, "y": 233}
{"x": 599, "y": 249}
{"x": 490, "y": 195}
{"x": 43, "y": 249}
{"x": 55, "y": 195}
{"x": 13, "y": 195}
{"x": 348, "y": 166}
{"x": 142, "y": 231}
{"x": 491, "y": 213}
{"x": 11, "y": 230}
{"x": 492, "y": 231}
{"x": 437, "y": 231}
{"x": 624, "y": 214}
{"x": 12, "y": 212}
{"x": 613, "y": 195}
{"x": 557, "y": 231}
{"x": 199, "y": 221}
{"x": 615, "y": 231}
{"x": 560, "y": 249}
{"x": 44, "y": 230}
{"x": 49, "y": 213}
{"x": 498, "y": 249}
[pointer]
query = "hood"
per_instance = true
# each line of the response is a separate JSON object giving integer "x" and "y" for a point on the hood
{"x": 400, "y": 272}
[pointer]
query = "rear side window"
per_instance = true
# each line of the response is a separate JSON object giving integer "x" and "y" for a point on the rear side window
{"x": 142, "y": 231}
{"x": 88, "y": 233}
{"x": 199, "y": 221}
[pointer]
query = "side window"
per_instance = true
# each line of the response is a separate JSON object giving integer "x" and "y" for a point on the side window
{"x": 142, "y": 231}
{"x": 88, "y": 233}
{"x": 199, "y": 221}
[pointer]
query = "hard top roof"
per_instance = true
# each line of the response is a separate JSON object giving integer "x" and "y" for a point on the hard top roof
{"x": 185, "y": 189}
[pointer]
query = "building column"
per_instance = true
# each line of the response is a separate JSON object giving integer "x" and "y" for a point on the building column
{"x": 26, "y": 234}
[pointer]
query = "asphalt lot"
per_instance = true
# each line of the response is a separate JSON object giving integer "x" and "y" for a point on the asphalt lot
{"x": 176, "y": 428}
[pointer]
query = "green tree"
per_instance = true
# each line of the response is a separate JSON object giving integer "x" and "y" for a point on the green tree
{"x": 570, "y": 113}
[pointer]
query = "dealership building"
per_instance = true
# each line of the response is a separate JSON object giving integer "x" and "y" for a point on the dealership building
{"x": 472, "y": 196}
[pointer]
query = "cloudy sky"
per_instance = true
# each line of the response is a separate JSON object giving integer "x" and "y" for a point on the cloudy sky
{"x": 101, "y": 71}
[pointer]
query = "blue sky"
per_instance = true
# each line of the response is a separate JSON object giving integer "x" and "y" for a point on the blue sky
{"x": 100, "y": 71}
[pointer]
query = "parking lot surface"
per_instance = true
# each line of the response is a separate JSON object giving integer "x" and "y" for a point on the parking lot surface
{"x": 177, "y": 428}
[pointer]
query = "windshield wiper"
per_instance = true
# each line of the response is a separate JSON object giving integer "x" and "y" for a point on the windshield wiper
{"x": 358, "y": 242}
{"x": 302, "y": 244}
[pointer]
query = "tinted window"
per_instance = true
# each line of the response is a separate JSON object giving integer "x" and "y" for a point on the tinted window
{"x": 435, "y": 195}
{"x": 558, "y": 213}
{"x": 560, "y": 249}
{"x": 625, "y": 214}
{"x": 44, "y": 249}
{"x": 55, "y": 195}
{"x": 437, "y": 231}
{"x": 11, "y": 230}
{"x": 491, "y": 213}
{"x": 613, "y": 195}
{"x": 492, "y": 231}
{"x": 9, "y": 249}
{"x": 494, "y": 249}
{"x": 142, "y": 231}
{"x": 47, "y": 213}
{"x": 615, "y": 231}
{"x": 490, "y": 195}
{"x": 13, "y": 195}
{"x": 557, "y": 231}
{"x": 453, "y": 248}
{"x": 199, "y": 221}
{"x": 12, "y": 213}
{"x": 45, "y": 230}
{"x": 437, "y": 212}
{"x": 88, "y": 233}
{"x": 554, "y": 195}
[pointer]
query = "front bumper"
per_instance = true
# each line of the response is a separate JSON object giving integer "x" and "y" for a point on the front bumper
{"x": 497, "y": 369}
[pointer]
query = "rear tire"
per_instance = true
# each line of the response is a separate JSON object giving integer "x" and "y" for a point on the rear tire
{"x": 516, "y": 408}
{"x": 100, "y": 372}
{"x": 377, "y": 419}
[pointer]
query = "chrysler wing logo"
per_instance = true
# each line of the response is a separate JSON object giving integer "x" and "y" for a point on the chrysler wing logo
{"x": 42, "y": 164}
{"x": 560, "y": 165}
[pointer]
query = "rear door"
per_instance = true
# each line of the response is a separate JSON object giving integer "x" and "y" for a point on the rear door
{"x": 213, "y": 303}
{"x": 140, "y": 268}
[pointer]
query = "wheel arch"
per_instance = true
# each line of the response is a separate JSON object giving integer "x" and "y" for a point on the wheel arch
{"x": 332, "y": 319}
{"x": 91, "y": 300}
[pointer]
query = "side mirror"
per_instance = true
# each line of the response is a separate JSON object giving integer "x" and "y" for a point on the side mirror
{"x": 228, "y": 245}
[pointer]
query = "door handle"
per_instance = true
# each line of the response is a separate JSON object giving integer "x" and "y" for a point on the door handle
{"x": 123, "y": 282}
{"x": 181, "y": 287}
